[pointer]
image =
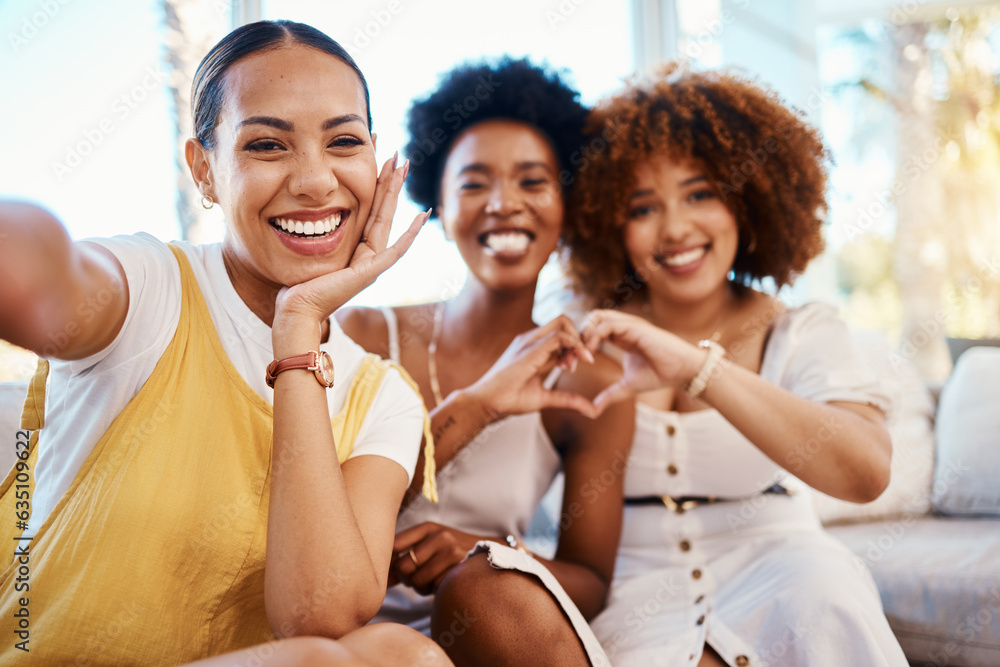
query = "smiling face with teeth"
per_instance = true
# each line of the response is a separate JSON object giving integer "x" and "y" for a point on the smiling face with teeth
{"x": 679, "y": 235}
{"x": 501, "y": 202}
{"x": 293, "y": 168}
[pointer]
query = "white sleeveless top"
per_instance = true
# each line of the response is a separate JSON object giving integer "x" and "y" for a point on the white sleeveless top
{"x": 492, "y": 488}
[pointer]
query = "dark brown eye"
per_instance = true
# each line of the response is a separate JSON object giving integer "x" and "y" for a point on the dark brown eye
{"x": 263, "y": 145}
{"x": 639, "y": 211}
{"x": 346, "y": 142}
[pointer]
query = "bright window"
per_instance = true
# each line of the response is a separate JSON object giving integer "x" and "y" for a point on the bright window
{"x": 86, "y": 121}
{"x": 912, "y": 116}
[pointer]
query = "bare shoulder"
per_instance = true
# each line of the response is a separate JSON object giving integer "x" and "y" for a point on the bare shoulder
{"x": 416, "y": 324}
{"x": 366, "y": 327}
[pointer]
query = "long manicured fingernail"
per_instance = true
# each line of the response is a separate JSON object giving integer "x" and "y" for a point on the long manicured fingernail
{"x": 427, "y": 216}
{"x": 406, "y": 168}
{"x": 395, "y": 158}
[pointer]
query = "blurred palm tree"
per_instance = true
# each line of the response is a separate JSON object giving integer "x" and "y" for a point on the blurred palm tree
{"x": 192, "y": 28}
{"x": 941, "y": 78}
{"x": 968, "y": 114}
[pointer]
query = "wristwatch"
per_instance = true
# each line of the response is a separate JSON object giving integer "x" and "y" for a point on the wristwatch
{"x": 319, "y": 363}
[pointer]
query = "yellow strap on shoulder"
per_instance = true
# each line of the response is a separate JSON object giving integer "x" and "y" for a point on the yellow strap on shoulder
{"x": 33, "y": 413}
{"x": 430, "y": 465}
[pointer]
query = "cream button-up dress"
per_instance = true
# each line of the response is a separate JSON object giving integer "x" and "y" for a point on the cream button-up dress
{"x": 756, "y": 578}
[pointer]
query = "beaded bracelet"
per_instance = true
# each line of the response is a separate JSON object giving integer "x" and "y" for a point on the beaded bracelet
{"x": 700, "y": 381}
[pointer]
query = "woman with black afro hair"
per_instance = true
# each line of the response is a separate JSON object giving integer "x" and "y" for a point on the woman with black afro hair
{"x": 490, "y": 150}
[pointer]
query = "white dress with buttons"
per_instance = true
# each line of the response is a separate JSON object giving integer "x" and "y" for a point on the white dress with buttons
{"x": 755, "y": 578}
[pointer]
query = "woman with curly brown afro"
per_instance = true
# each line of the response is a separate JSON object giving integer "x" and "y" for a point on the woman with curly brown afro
{"x": 695, "y": 190}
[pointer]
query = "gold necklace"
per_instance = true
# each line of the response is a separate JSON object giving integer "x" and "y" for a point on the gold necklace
{"x": 432, "y": 371}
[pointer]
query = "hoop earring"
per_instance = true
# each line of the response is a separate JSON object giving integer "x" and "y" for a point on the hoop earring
{"x": 207, "y": 202}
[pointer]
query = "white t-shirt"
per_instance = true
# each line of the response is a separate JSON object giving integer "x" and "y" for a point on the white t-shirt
{"x": 84, "y": 396}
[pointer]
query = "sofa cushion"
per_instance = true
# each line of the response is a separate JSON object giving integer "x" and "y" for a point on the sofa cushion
{"x": 967, "y": 471}
{"x": 939, "y": 579}
{"x": 910, "y": 426}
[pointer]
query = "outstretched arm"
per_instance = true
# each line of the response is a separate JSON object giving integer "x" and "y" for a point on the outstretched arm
{"x": 59, "y": 299}
{"x": 852, "y": 461}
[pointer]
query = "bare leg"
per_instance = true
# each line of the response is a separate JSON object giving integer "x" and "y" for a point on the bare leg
{"x": 381, "y": 645}
{"x": 395, "y": 645}
{"x": 710, "y": 658}
{"x": 485, "y": 616}
{"x": 292, "y": 652}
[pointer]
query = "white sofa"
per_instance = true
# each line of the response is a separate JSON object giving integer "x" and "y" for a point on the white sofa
{"x": 932, "y": 541}
{"x": 938, "y": 575}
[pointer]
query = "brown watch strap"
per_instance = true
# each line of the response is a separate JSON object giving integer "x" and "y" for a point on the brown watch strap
{"x": 318, "y": 362}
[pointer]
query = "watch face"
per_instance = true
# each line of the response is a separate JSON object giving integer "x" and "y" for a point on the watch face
{"x": 326, "y": 367}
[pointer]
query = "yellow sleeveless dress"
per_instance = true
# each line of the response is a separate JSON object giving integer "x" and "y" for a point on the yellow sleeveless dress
{"x": 155, "y": 554}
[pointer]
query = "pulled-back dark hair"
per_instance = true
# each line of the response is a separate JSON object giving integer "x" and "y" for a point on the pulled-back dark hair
{"x": 207, "y": 91}
{"x": 475, "y": 92}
